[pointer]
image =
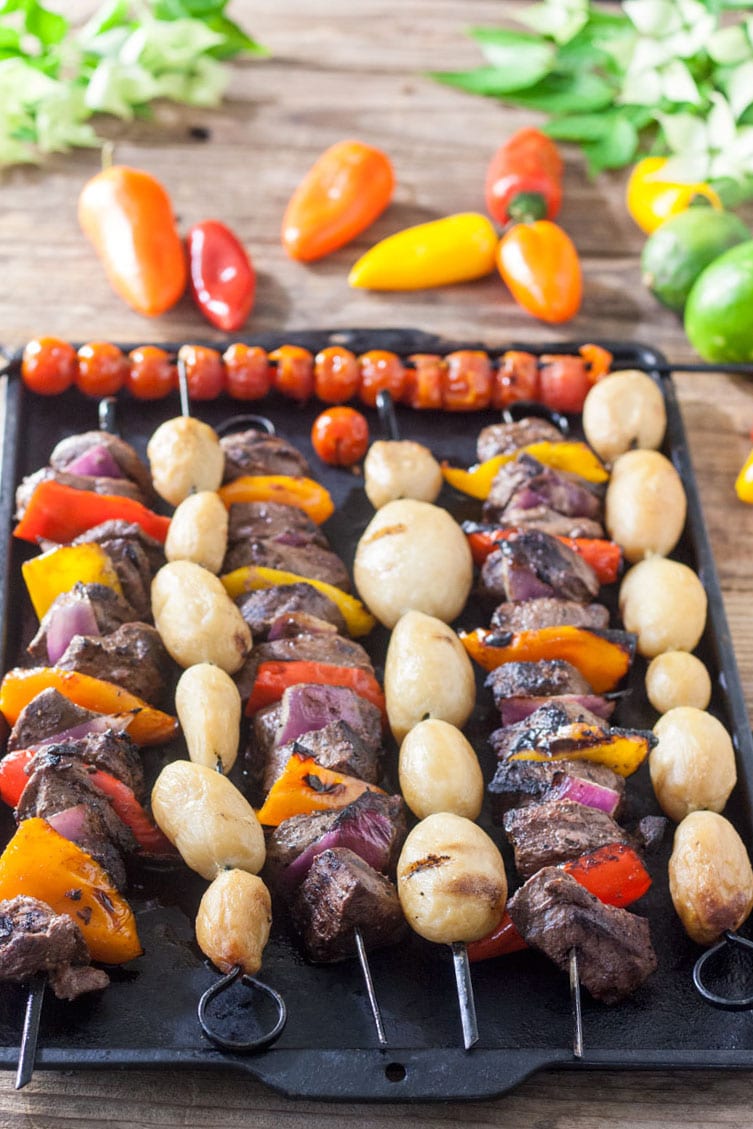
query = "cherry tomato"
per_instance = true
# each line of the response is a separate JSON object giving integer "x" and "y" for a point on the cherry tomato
{"x": 516, "y": 378}
{"x": 381, "y": 369}
{"x": 294, "y": 376}
{"x": 247, "y": 370}
{"x": 205, "y": 372}
{"x": 49, "y": 365}
{"x": 467, "y": 384}
{"x": 563, "y": 383}
{"x": 424, "y": 381}
{"x": 340, "y": 436}
{"x": 102, "y": 369}
{"x": 336, "y": 375}
{"x": 151, "y": 374}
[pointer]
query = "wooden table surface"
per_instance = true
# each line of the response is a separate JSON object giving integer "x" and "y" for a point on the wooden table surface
{"x": 341, "y": 68}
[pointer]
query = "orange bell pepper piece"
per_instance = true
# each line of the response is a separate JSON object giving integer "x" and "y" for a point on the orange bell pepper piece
{"x": 150, "y": 726}
{"x": 304, "y": 493}
{"x": 571, "y": 456}
{"x": 306, "y": 787}
{"x": 40, "y": 863}
{"x": 50, "y": 574}
{"x": 59, "y": 513}
{"x": 249, "y": 578}
{"x": 602, "y": 657}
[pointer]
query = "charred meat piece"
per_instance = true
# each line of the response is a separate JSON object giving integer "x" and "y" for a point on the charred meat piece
{"x": 257, "y": 452}
{"x": 519, "y": 689}
{"x": 266, "y": 606}
{"x": 110, "y": 612}
{"x": 649, "y": 832}
{"x": 549, "y": 521}
{"x": 114, "y": 753}
{"x": 340, "y": 893}
{"x": 506, "y": 438}
{"x": 271, "y": 521}
{"x": 336, "y": 746}
{"x": 374, "y": 827}
{"x": 136, "y": 557}
{"x": 514, "y": 710}
{"x": 123, "y": 487}
{"x": 517, "y": 784}
{"x": 133, "y": 657}
{"x": 309, "y": 560}
{"x": 547, "y": 728}
{"x": 33, "y": 938}
{"x": 45, "y": 716}
{"x": 331, "y": 649}
{"x": 547, "y": 611}
{"x": 89, "y": 829}
{"x": 525, "y": 483}
{"x": 71, "y": 448}
{"x": 555, "y": 914}
{"x": 532, "y": 565}
{"x": 553, "y": 831}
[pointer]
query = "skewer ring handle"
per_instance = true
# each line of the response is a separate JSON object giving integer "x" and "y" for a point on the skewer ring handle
{"x": 521, "y": 409}
{"x": 729, "y": 1003}
{"x": 239, "y": 422}
{"x": 241, "y": 1046}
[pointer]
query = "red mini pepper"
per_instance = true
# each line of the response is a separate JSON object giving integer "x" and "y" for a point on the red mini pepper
{"x": 273, "y": 678}
{"x": 613, "y": 873}
{"x": 221, "y": 276}
{"x": 60, "y": 513}
{"x": 524, "y": 178}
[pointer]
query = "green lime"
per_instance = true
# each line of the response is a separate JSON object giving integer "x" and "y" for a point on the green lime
{"x": 683, "y": 246}
{"x": 719, "y": 309}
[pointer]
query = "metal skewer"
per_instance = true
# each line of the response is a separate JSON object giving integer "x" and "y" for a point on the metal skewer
{"x": 466, "y": 1000}
{"x": 576, "y": 1002}
{"x": 30, "y": 1037}
{"x": 363, "y": 960}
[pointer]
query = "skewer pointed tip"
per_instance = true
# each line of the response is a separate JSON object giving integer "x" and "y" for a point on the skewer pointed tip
{"x": 28, "y": 1052}
{"x": 465, "y": 994}
{"x": 576, "y": 1002}
{"x": 373, "y": 1001}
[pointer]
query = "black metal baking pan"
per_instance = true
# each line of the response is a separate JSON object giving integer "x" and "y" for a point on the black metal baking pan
{"x": 329, "y": 1049}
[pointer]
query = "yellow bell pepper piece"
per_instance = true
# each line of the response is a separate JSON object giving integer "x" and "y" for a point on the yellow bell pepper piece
{"x": 454, "y": 249}
{"x": 304, "y": 493}
{"x": 50, "y": 574}
{"x": 744, "y": 481}
{"x": 249, "y": 578}
{"x": 651, "y": 200}
{"x": 573, "y": 457}
{"x": 622, "y": 752}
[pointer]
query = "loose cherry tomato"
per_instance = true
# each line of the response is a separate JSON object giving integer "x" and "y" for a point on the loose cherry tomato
{"x": 205, "y": 372}
{"x": 381, "y": 369}
{"x": 340, "y": 436}
{"x": 49, "y": 365}
{"x": 151, "y": 374}
{"x": 336, "y": 375}
{"x": 247, "y": 370}
{"x": 102, "y": 369}
{"x": 468, "y": 381}
{"x": 424, "y": 381}
{"x": 294, "y": 376}
{"x": 563, "y": 383}
{"x": 516, "y": 378}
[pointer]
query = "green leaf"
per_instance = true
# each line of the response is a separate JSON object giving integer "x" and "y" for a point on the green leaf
{"x": 579, "y": 127}
{"x": 490, "y": 81}
{"x": 48, "y": 27}
{"x": 561, "y": 20}
{"x": 615, "y": 149}
{"x": 730, "y": 45}
{"x": 733, "y": 193}
{"x": 235, "y": 41}
{"x": 566, "y": 94}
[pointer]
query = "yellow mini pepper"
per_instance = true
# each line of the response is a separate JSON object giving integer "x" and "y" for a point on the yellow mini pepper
{"x": 454, "y": 249}
{"x": 744, "y": 481}
{"x": 651, "y": 200}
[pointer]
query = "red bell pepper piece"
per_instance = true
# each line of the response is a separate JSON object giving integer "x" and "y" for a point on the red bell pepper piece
{"x": 60, "y": 513}
{"x": 273, "y": 678}
{"x": 13, "y": 778}
{"x": 221, "y": 277}
{"x": 604, "y": 557}
{"x": 613, "y": 873}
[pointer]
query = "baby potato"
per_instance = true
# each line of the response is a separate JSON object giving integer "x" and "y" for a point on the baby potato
{"x": 677, "y": 678}
{"x": 710, "y": 877}
{"x": 645, "y": 505}
{"x": 451, "y": 880}
{"x": 413, "y": 555}
{"x": 693, "y": 765}
{"x": 427, "y": 673}
{"x": 208, "y": 706}
{"x": 197, "y": 620}
{"x": 623, "y": 411}
{"x": 234, "y": 920}
{"x": 198, "y": 531}
{"x": 665, "y": 604}
{"x": 207, "y": 819}
{"x": 184, "y": 456}
{"x": 439, "y": 771}
{"x": 400, "y": 468}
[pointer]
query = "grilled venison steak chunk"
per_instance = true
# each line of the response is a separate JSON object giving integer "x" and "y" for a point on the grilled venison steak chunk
{"x": 135, "y": 556}
{"x": 133, "y": 657}
{"x": 307, "y": 559}
{"x": 339, "y": 893}
{"x": 257, "y": 452}
{"x": 506, "y": 438}
{"x": 336, "y": 746}
{"x": 517, "y": 784}
{"x": 332, "y": 649}
{"x": 272, "y": 521}
{"x": 110, "y": 610}
{"x": 545, "y": 678}
{"x": 534, "y": 564}
{"x": 554, "y": 831}
{"x": 46, "y": 715}
{"x": 547, "y": 520}
{"x": 525, "y": 483}
{"x": 555, "y": 914}
{"x": 110, "y": 751}
{"x": 132, "y": 466}
{"x": 89, "y": 828}
{"x": 267, "y": 606}
{"x": 35, "y": 939}
{"x": 548, "y": 611}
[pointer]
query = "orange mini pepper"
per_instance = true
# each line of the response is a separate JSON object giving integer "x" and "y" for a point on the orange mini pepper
{"x": 341, "y": 195}
{"x": 303, "y": 493}
{"x": 127, "y": 215}
{"x": 540, "y": 267}
{"x": 40, "y": 863}
{"x": 305, "y": 787}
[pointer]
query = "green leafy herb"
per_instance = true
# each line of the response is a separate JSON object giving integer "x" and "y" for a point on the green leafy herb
{"x": 54, "y": 78}
{"x": 670, "y": 77}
